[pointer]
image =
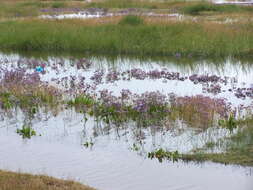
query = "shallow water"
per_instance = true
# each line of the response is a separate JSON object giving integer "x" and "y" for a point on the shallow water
{"x": 112, "y": 166}
{"x": 241, "y": 2}
{"x": 111, "y": 163}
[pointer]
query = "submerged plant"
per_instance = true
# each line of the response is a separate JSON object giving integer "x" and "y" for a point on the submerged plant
{"x": 161, "y": 154}
{"x": 135, "y": 147}
{"x": 26, "y": 132}
{"x": 88, "y": 144}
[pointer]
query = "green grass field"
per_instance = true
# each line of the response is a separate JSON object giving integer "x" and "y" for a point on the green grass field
{"x": 144, "y": 38}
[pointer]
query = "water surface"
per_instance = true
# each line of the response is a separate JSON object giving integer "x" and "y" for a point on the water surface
{"x": 112, "y": 163}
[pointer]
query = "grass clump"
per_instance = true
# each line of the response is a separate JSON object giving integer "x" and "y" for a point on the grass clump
{"x": 81, "y": 101}
{"x": 18, "y": 181}
{"x": 26, "y": 132}
{"x": 131, "y": 20}
{"x": 229, "y": 124}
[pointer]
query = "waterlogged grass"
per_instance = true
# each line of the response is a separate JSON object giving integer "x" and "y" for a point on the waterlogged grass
{"x": 239, "y": 149}
{"x": 199, "y": 39}
{"x": 152, "y": 109}
{"x": 18, "y": 181}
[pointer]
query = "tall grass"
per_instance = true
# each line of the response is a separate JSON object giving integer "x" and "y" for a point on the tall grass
{"x": 146, "y": 39}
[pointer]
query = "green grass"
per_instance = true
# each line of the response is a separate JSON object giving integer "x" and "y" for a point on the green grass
{"x": 145, "y": 39}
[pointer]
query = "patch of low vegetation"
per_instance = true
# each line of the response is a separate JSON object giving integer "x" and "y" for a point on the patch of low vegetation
{"x": 201, "y": 8}
{"x": 18, "y": 181}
